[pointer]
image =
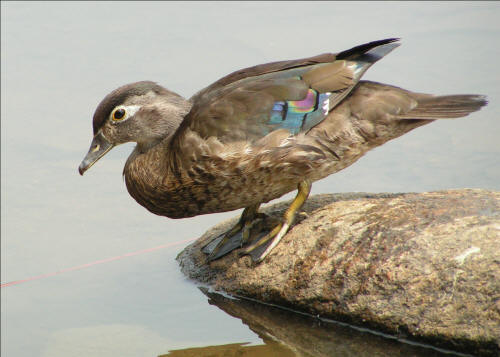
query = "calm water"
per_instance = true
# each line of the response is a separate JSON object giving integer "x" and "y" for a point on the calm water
{"x": 58, "y": 62}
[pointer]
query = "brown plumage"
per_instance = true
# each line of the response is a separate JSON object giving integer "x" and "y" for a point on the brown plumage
{"x": 258, "y": 134}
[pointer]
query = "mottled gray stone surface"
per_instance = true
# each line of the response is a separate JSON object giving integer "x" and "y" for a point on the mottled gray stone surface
{"x": 422, "y": 265}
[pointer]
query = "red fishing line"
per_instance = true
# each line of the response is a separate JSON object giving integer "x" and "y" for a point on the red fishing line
{"x": 96, "y": 263}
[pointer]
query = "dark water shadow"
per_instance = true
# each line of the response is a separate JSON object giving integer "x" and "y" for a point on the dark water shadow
{"x": 234, "y": 349}
{"x": 286, "y": 333}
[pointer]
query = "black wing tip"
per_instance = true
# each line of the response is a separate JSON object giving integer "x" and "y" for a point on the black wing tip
{"x": 362, "y": 49}
{"x": 382, "y": 42}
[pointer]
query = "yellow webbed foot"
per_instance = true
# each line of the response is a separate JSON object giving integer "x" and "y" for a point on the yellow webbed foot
{"x": 260, "y": 249}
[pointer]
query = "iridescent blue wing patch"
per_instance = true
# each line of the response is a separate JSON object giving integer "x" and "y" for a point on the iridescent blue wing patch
{"x": 301, "y": 115}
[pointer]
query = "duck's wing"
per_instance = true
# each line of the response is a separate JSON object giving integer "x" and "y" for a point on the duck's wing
{"x": 293, "y": 95}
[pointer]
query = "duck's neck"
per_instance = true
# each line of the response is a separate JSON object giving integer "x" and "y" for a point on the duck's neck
{"x": 148, "y": 159}
{"x": 144, "y": 174}
{"x": 163, "y": 121}
{"x": 143, "y": 147}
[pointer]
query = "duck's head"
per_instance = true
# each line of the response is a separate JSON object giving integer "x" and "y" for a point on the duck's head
{"x": 141, "y": 112}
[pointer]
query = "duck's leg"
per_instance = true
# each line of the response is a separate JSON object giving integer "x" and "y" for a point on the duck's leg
{"x": 280, "y": 230}
{"x": 234, "y": 237}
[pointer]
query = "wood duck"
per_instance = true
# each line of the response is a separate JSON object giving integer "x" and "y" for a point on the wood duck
{"x": 257, "y": 134}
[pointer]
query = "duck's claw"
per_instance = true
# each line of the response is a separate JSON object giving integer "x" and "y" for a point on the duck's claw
{"x": 262, "y": 247}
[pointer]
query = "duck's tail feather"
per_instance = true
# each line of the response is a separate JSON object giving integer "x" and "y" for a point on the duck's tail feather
{"x": 445, "y": 107}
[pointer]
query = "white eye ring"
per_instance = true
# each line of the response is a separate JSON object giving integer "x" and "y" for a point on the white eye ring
{"x": 124, "y": 112}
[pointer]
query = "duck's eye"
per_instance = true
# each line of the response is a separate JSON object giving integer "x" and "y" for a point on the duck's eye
{"x": 119, "y": 114}
{"x": 123, "y": 112}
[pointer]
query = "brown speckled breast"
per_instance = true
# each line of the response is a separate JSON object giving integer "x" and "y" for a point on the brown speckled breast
{"x": 208, "y": 185}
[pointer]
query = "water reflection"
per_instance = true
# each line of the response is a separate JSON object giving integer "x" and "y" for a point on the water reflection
{"x": 271, "y": 348}
{"x": 291, "y": 334}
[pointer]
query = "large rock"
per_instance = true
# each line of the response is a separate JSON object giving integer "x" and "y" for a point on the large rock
{"x": 426, "y": 266}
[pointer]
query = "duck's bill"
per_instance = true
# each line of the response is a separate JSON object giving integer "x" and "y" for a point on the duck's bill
{"x": 99, "y": 147}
